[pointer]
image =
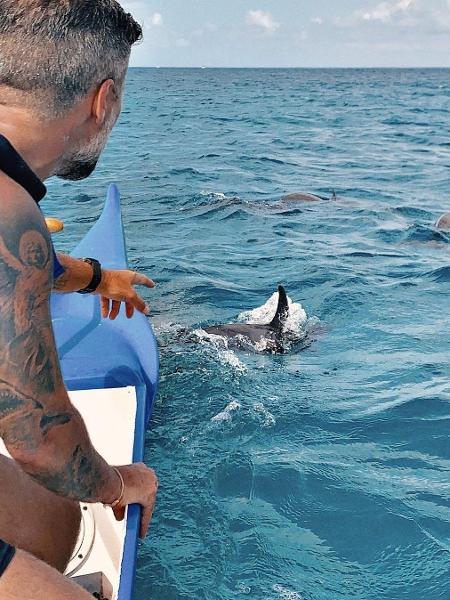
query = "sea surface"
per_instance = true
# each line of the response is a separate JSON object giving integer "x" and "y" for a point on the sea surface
{"x": 322, "y": 473}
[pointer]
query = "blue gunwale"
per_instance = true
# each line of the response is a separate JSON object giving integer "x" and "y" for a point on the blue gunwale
{"x": 99, "y": 354}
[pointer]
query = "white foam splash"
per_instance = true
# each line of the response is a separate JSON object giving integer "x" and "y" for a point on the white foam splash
{"x": 220, "y": 344}
{"x": 227, "y": 412}
{"x": 286, "y": 594}
{"x": 215, "y": 195}
{"x": 264, "y": 345}
{"x": 257, "y": 413}
{"x": 265, "y": 313}
{"x": 267, "y": 418}
{"x": 243, "y": 588}
{"x": 228, "y": 357}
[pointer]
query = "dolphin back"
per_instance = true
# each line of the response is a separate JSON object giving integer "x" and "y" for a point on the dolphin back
{"x": 282, "y": 310}
{"x": 443, "y": 222}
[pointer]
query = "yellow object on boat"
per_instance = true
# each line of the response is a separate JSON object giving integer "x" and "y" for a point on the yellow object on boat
{"x": 54, "y": 225}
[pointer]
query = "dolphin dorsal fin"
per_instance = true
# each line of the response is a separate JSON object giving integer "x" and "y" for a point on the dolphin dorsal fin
{"x": 282, "y": 309}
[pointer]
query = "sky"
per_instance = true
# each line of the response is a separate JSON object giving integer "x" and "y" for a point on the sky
{"x": 292, "y": 33}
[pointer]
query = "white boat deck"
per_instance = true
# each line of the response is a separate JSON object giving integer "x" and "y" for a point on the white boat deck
{"x": 110, "y": 417}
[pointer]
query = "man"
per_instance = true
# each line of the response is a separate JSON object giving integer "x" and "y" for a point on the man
{"x": 62, "y": 71}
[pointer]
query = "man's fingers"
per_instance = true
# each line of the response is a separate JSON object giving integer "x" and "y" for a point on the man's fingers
{"x": 105, "y": 307}
{"x": 147, "y": 513}
{"x": 147, "y": 510}
{"x": 120, "y": 289}
{"x": 115, "y": 309}
{"x": 119, "y": 513}
{"x": 139, "y": 304}
{"x": 140, "y": 279}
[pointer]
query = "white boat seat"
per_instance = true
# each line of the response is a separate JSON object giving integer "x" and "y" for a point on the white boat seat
{"x": 85, "y": 543}
{"x": 96, "y": 584}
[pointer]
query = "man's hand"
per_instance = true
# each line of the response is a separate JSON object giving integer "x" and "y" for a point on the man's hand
{"x": 141, "y": 486}
{"x": 117, "y": 287}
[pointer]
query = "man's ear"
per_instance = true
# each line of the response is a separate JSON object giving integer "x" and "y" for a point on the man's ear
{"x": 104, "y": 99}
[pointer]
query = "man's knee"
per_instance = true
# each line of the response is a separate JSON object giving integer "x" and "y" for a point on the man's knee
{"x": 36, "y": 520}
{"x": 72, "y": 530}
{"x": 27, "y": 577}
{"x": 55, "y": 541}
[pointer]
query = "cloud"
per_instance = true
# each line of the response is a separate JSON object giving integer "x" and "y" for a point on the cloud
{"x": 156, "y": 19}
{"x": 403, "y": 12}
{"x": 420, "y": 15}
{"x": 317, "y": 20}
{"x": 386, "y": 10}
{"x": 262, "y": 19}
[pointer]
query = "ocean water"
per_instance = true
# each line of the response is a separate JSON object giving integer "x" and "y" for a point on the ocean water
{"x": 322, "y": 473}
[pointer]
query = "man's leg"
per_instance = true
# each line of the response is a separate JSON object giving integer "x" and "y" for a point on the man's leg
{"x": 34, "y": 519}
{"x": 30, "y": 578}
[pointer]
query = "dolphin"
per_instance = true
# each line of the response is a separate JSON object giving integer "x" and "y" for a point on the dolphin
{"x": 443, "y": 222}
{"x": 271, "y": 334}
{"x": 304, "y": 197}
{"x": 300, "y": 197}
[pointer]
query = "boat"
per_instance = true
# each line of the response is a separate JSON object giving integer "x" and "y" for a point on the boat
{"x": 111, "y": 371}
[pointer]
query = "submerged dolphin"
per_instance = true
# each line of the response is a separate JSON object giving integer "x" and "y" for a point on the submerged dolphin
{"x": 270, "y": 335}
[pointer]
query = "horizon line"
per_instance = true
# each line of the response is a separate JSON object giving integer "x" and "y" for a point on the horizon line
{"x": 202, "y": 67}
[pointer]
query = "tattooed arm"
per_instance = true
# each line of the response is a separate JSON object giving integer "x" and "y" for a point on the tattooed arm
{"x": 42, "y": 431}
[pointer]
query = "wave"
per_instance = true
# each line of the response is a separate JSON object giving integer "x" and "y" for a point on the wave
{"x": 413, "y": 212}
{"x": 267, "y": 159}
{"x": 207, "y": 203}
{"x": 426, "y": 233}
{"x": 440, "y": 275}
{"x": 415, "y": 234}
{"x": 188, "y": 171}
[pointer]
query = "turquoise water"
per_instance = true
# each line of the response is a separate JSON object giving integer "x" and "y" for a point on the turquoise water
{"x": 315, "y": 475}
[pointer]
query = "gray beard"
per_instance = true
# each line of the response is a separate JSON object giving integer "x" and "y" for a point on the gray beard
{"x": 77, "y": 170}
{"x": 82, "y": 163}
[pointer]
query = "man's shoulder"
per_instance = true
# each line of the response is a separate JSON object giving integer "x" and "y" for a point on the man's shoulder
{"x": 16, "y": 204}
{"x": 22, "y": 228}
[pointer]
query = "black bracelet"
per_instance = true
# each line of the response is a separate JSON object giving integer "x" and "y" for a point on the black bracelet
{"x": 96, "y": 276}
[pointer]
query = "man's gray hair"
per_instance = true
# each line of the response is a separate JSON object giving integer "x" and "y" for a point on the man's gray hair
{"x": 53, "y": 52}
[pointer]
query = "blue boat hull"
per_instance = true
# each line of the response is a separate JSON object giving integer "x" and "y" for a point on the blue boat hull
{"x": 98, "y": 354}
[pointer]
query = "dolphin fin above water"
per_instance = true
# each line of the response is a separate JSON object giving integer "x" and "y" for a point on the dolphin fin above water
{"x": 282, "y": 313}
{"x": 269, "y": 336}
